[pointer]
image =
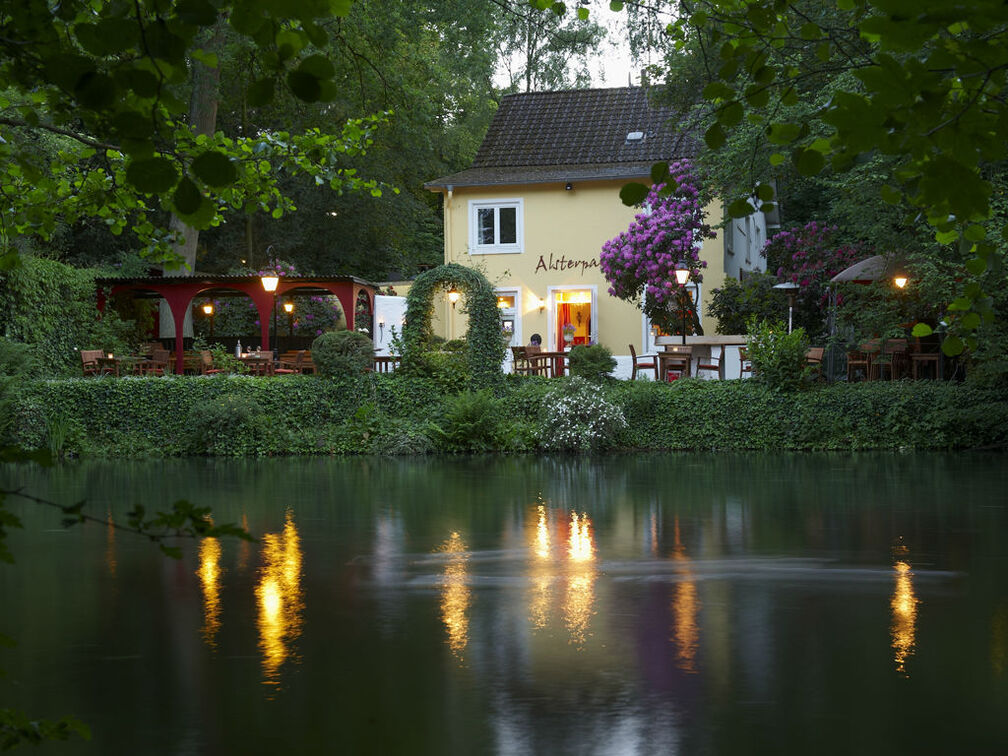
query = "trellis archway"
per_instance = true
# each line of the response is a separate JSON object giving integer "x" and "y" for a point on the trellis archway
{"x": 486, "y": 346}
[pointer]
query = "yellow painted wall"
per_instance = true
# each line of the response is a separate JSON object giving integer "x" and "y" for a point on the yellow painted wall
{"x": 563, "y": 236}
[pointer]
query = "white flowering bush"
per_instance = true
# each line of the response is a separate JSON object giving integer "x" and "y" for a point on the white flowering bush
{"x": 575, "y": 417}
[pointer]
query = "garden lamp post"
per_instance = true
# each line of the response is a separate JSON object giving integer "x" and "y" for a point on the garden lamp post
{"x": 269, "y": 283}
{"x": 289, "y": 309}
{"x": 681, "y": 277}
{"x": 900, "y": 279}
{"x": 453, "y": 296}
{"x": 789, "y": 288}
{"x": 208, "y": 311}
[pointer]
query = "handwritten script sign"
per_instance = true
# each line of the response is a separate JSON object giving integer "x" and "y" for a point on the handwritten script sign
{"x": 565, "y": 263}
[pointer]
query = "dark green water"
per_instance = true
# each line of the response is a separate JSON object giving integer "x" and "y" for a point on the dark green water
{"x": 692, "y": 604}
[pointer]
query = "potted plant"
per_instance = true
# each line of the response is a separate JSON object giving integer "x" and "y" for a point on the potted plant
{"x": 568, "y": 332}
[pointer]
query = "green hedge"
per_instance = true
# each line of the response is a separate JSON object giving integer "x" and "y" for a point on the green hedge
{"x": 244, "y": 416}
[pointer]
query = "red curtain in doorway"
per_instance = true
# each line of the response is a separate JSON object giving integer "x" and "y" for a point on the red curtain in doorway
{"x": 563, "y": 318}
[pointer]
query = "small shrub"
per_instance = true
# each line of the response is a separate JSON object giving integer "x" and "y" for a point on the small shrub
{"x": 778, "y": 357}
{"x": 472, "y": 422}
{"x": 575, "y": 417}
{"x": 233, "y": 425}
{"x": 341, "y": 353}
{"x": 593, "y": 363}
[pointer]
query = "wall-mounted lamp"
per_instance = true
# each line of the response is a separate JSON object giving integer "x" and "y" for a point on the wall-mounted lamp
{"x": 453, "y": 296}
{"x": 542, "y": 304}
{"x": 381, "y": 330}
{"x": 568, "y": 186}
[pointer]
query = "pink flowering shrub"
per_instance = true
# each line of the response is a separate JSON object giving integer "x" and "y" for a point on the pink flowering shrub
{"x": 644, "y": 257}
{"x": 808, "y": 257}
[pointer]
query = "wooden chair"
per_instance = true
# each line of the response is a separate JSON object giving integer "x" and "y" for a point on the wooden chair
{"x": 710, "y": 362}
{"x": 206, "y": 364}
{"x": 89, "y": 361}
{"x": 290, "y": 365}
{"x": 814, "y": 358}
{"x": 891, "y": 357}
{"x": 386, "y": 363}
{"x": 675, "y": 359}
{"x": 860, "y": 361}
{"x": 158, "y": 363}
{"x": 745, "y": 364}
{"x": 528, "y": 361}
{"x": 925, "y": 356}
{"x": 644, "y": 362}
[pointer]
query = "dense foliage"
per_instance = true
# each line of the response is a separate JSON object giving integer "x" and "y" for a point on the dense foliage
{"x": 390, "y": 414}
{"x": 832, "y": 86}
{"x": 640, "y": 262}
{"x": 735, "y": 303}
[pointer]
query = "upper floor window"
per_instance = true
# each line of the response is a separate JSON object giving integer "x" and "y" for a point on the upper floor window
{"x": 495, "y": 226}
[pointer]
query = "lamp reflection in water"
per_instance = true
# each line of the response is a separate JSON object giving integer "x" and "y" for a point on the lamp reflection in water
{"x": 278, "y": 596}
{"x": 209, "y": 574}
{"x": 579, "y": 601}
{"x": 685, "y": 607}
{"x": 904, "y": 616}
{"x": 542, "y": 579}
{"x": 455, "y": 594}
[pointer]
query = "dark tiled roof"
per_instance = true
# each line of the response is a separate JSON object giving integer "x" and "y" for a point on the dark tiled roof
{"x": 574, "y": 134}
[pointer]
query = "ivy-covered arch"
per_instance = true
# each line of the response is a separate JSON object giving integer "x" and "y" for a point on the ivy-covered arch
{"x": 486, "y": 345}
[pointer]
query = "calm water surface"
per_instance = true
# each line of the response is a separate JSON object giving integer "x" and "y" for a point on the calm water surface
{"x": 692, "y": 604}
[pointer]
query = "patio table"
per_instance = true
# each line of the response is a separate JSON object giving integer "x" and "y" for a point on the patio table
{"x": 129, "y": 364}
{"x": 258, "y": 364}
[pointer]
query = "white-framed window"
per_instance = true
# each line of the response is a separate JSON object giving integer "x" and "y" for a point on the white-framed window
{"x": 496, "y": 226}
{"x": 509, "y": 307}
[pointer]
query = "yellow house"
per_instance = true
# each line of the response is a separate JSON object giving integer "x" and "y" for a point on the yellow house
{"x": 542, "y": 197}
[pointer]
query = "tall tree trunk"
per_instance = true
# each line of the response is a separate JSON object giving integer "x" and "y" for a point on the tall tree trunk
{"x": 203, "y": 119}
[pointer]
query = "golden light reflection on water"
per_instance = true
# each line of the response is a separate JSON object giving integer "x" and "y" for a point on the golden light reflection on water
{"x": 209, "y": 574}
{"x": 579, "y": 599}
{"x": 455, "y": 594}
{"x": 685, "y": 608}
{"x": 540, "y": 593}
{"x": 904, "y": 616}
{"x": 278, "y": 596}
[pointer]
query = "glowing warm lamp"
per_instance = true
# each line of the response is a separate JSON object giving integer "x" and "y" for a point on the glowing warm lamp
{"x": 208, "y": 309}
{"x": 453, "y": 295}
{"x": 270, "y": 282}
{"x": 681, "y": 274}
{"x": 542, "y": 304}
{"x": 288, "y": 307}
{"x": 900, "y": 279}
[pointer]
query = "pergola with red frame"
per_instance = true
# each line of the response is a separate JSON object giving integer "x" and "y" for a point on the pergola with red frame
{"x": 180, "y": 291}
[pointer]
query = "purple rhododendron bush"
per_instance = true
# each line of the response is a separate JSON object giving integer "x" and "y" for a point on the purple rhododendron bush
{"x": 668, "y": 231}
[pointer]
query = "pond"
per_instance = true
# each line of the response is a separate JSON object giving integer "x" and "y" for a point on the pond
{"x": 687, "y": 603}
